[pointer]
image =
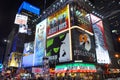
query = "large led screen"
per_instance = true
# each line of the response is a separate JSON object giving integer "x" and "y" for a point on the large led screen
{"x": 101, "y": 47}
{"x": 83, "y": 46}
{"x": 58, "y": 21}
{"x": 40, "y": 43}
{"x": 81, "y": 19}
{"x": 28, "y": 52}
{"x": 58, "y": 48}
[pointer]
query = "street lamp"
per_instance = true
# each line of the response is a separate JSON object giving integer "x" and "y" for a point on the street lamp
{"x": 116, "y": 56}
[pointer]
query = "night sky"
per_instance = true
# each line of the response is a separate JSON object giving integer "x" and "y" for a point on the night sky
{"x": 8, "y": 10}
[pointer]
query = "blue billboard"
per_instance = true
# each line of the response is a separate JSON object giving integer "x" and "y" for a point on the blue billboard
{"x": 29, "y": 7}
{"x": 28, "y": 53}
{"x": 40, "y": 43}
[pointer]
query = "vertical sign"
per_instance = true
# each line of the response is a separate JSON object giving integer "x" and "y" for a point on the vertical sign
{"x": 40, "y": 40}
{"x": 100, "y": 40}
{"x": 101, "y": 47}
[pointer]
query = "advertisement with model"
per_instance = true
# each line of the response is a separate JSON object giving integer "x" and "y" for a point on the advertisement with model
{"x": 40, "y": 43}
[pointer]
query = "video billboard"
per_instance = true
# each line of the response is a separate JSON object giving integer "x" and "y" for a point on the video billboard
{"x": 28, "y": 52}
{"x": 58, "y": 48}
{"x": 40, "y": 43}
{"x": 27, "y": 6}
{"x": 58, "y": 21}
{"x": 100, "y": 41}
{"x": 83, "y": 46}
{"x": 81, "y": 19}
{"x": 21, "y": 19}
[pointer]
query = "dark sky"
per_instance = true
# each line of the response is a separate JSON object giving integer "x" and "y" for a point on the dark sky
{"x": 8, "y": 10}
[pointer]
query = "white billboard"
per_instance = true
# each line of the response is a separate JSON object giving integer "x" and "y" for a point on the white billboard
{"x": 21, "y": 19}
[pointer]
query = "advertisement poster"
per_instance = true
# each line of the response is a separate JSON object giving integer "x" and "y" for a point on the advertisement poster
{"x": 21, "y": 19}
{"x": 58, "y": 48}
{"x": 83, "y": 46}
{"x": 15, "y": 59}
{"x": 58, "y": 21}
{"x": 40, "y": 40}
{"x": 100, "y": 41}
{"x": 81, "y": 18}
{"x": 28, "y": 52}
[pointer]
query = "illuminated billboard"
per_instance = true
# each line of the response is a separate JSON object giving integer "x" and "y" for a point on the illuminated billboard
{"x": 58, "y": 21}
{"x": 83, "y": 46}
{"x": 26, "y": 6}
{"x": 94, "y": 19}
{"x": 14, "y": 59}
{"x": 58, "y": 48}
{"x": 100, "y": 41}
{"x": 21, "y": 19}
{"x": 75, "y": 67}
{"x": 28, "y": 52}
{"x": 81, "y": 19}
{"x": 40, "y": 43}
{"x": 23, "y": 29}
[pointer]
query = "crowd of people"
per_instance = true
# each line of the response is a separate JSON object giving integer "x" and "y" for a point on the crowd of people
{"x": 24, "y": 74}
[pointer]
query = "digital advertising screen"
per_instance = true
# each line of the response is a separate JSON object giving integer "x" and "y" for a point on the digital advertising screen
{"x": 83, "y": 46}
{"x": 21, "y": 19}
{"x": 58, "y": 48}
{"x": 81, "y": 19}
{"x": 101, "y": 46}
{"x": 28, "y": 52}
{"x": 40, "y": 43}
{"x": 75, "y": 67}
{"x": 58, "y": 21}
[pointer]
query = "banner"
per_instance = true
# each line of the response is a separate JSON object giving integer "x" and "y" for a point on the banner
{"x": 100, "y": 41}
{"x": 40, "y": 43}
{"x": 58, "y": 21}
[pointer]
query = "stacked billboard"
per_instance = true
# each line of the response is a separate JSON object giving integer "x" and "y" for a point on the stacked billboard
{"x": 83, "y": 46}
{"x": 58, "y": 21}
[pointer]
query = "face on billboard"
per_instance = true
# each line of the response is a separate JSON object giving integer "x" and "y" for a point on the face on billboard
{"x": 83, "y": 46}
{"x": 28, "y": 54}
{"x": 58, "y": 48}
{"x": 58, "y": 21}
{"x": 40, "y": 39}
